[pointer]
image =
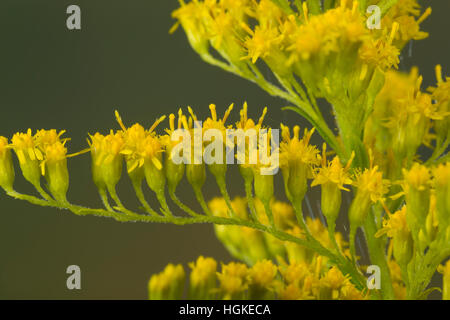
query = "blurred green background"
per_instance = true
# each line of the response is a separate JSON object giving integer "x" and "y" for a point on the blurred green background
{"x": 123, "y": 58}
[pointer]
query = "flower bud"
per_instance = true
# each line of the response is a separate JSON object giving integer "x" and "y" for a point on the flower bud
{"x": 107, "y": 160}
{"x": 28, "y": 155}
{"x": 331, "y": 199}
{"x": 55, "y": 170}
{"x": 174, "y": 172}
{"x": 167, "y": 285}
{"x": 296, "y": 182}
{"x": 7, "y": 174}
{"x": 196, "y": 175}
{"x": 417, "y": 190}
{"x": 155, "y": 177}
{"x": 263, "y": 186}
{"x": 359, "y": 209}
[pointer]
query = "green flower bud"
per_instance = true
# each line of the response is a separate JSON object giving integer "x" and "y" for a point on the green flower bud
{"x": 331, "y": 199}
{"x": 196, "y": 175}
{"x": 359, "y": 209}
{"x": 55, "y": 170}
{"x": 417, "y": 190}
{"x": 7, "y": 174}
{"x": 263, "y": 186}
{"x": 174, "y": 172}
{"x": 155, "y": 177}
{"x": 403, "y": 248}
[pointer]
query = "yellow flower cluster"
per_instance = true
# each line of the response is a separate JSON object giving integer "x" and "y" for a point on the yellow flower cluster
{"x": 40, "y": 154}
{"x": 403, "y": 118}
{"x": 264, "y": 280}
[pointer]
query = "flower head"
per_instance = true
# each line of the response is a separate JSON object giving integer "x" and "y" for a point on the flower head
{"x": 167, "y": 285}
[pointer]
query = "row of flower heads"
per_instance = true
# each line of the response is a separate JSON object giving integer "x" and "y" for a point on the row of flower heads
{"x": 45, "y": 154}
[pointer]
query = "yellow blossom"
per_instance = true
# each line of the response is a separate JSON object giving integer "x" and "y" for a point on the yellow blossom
{"x": 167, "y": 285}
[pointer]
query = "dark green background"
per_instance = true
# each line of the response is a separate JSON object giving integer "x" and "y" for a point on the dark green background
{"x": 122, "y": 58}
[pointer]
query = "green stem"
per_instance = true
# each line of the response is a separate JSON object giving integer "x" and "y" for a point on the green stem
{"x": 250, "y": 200}
{"x": 140, "y": 195}
{"x": 269, "y": 213}
{"x": 224, "y": 192}
{"x": 163, "y": 202}
{"x": 181, "y": 205}
{"x": 104, "y": 198}
{"x": 201, "y": 200}
{"x": 344, "y": 265}
{"x": 332, "y": 236}
{"x": 377, "y": 248}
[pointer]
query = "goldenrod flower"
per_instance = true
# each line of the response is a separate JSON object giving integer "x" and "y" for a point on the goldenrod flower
{"x": 261, "y": 278}
{"x": 167, "y": 285}
{"x": 233, "y": 280}
{"x": 54, "y": 168}
{"x": 106, "y": 159}
{"x": 332, "y": 172}
{"x": 143, "y": 149}
{"x": 332, "y": 176}
{"x": 407, "y": 14}
{"x": 396, "y": 227}
{"x": 203, "y": 278}
{"x": 333, "y": 281}
{"x": 29, "y": 155}
{"x": 297, "y": 158}
{"x": 417, "y": 188}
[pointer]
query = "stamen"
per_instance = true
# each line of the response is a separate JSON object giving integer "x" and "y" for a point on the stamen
{"x": 261, "y": 119}
{"x": 305, "y": 10}
{"x": 227, "y": 113}
{"x": 172, "y": 122}
{"x": 394, "y": 30}
{"x": 296, "y": 132}
{"x": 425, "y": 15}
{"x": 119, "y": 120}
{"x": 212, "y": 108}
{"x": 439, "y": 74}
{"x": 158, "y": 121}
{"x": 180, "y": 115}
{"x": 192, "y": 113}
